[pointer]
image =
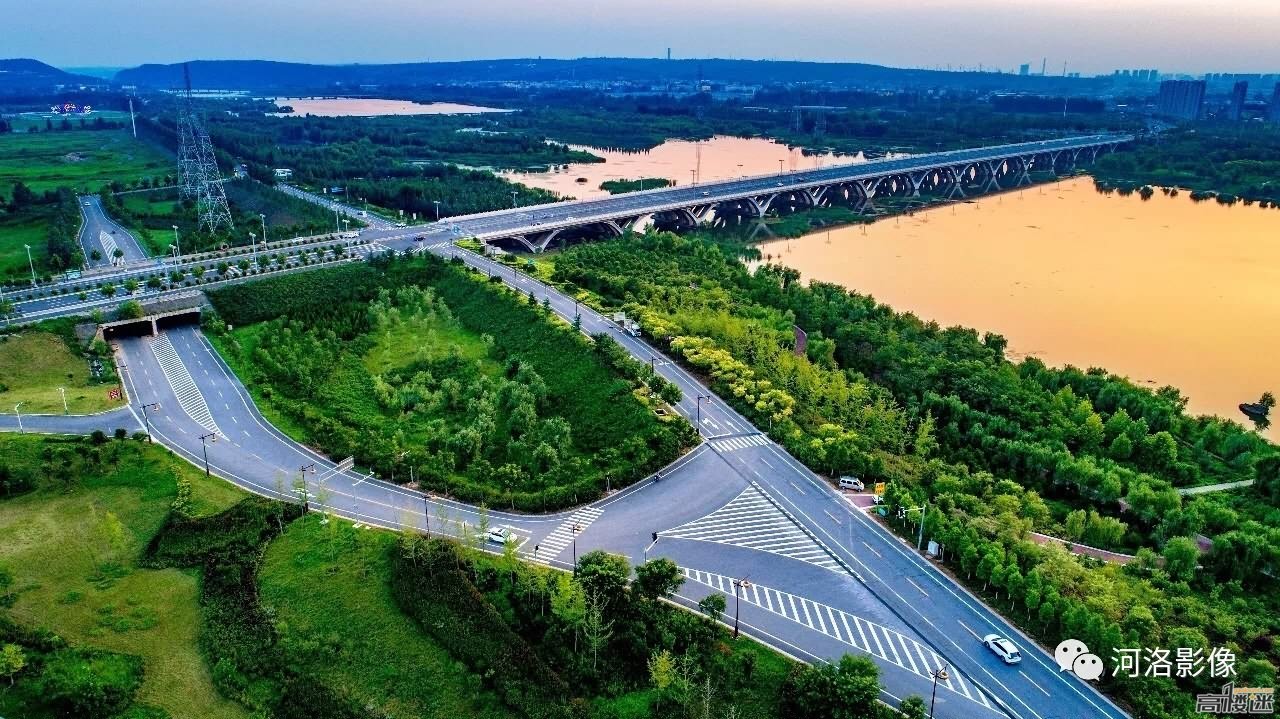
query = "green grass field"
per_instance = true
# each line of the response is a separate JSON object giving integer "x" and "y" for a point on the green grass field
{"x": 82, "y": 159}
{"x": 417, "y": 339}
{"x": 328, "y": 586}
{"x": 34, "y": 364}
{"x": 53, "y": 540}
{"x": 28, "y": 228}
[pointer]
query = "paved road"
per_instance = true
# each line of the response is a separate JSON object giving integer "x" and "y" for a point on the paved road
{"x": 370, "y": 219}
{"x": 100, "y": 232}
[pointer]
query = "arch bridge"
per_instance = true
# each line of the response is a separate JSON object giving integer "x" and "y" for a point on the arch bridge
{"x": 951, "y": 175}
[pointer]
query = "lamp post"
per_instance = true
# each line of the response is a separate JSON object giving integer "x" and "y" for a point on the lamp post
{"x": 306, "y": 496}
{"x": 513, "y": 198}
{"x": 31, "y": 264}
{"x": 204, "y": 446}
{"x": 63, "y": 392}
{"x": 738, "y": 584}
{"x": 693, "y": 177}
{"x": 176, "y": 243}
{"x": 254, "y": 245}
{"x": 939, "y": 673}
{"x": 575, "y": 529}
{"x": 146, "y": 419}
{"x": 437, "y": 204}
{"x": 699, "y": 420}
{"x": 17, "y": 409}
{"x": 263, "y": 216}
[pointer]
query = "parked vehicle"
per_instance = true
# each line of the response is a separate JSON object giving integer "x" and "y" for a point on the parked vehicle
{"x": 499, "y": 535}
{"x": 852, "y": 483}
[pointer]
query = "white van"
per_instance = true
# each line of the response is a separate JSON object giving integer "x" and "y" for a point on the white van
{"x": 852, "y": 483}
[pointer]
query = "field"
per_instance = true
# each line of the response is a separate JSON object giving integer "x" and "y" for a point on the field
{"x": 328, "y": 586}
{"x": 80, "y": 159}
{"x": 29, "y": 228}
{"x": 56, "y": 539}
{"x": 34, "y": 364}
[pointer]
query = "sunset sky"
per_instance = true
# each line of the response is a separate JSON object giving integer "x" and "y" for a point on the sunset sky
{"x": 1091, "y": 36}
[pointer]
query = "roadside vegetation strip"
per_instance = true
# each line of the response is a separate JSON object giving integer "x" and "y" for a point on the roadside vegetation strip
{"x": 423, "y": 369}
{"x": 932, "y": 412}
{"x": 76, "y": 513}
{"x": 35, "y": 364}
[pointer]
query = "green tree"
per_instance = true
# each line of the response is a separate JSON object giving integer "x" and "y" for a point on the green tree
{"x": 658, "y": 579}
{"x": 12, "y": 661}
{"x": 605, "y": 575}
{"x": 847, "y": 689}
{"x": 130, "y": 310}
{"x": 913, "y": 707}
{"x": 1181, "y": 555}
{"x": 569, "y": 605}
{"x": 712, "y": 605}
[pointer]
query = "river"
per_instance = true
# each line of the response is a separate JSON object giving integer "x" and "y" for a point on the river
{"x": 371, "y": 107}
{"x": 1164, "y": 291}
{"x": 681, "y": 161}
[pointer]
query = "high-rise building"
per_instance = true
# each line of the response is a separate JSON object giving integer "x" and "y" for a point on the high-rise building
{"x": 1182, "y": 99}
{"x": 1274, "y": 114}
{"x": 1235, "y": 108}
{"x": 1155, "y": 75}
{"x": 1024, "y": 69}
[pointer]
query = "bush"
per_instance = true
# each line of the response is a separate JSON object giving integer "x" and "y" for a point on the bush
{"x": 89, "y": 684}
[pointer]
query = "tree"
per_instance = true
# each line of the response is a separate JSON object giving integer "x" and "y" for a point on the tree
{"x": 1075, "y": 525}
{"x": 604, "y": 575}
{"x": 596, "y": 630}
{"x": 130, "y": 310}
{"x": 658, "y": 579}
{"x": 1181, "y": 554}
{"x": 913, "y": 707}
{"x": 712, "y": 605}
{"x": 847, "y": 689}
{"x": 568, "y": 604}
{"x": 12, "y": 661}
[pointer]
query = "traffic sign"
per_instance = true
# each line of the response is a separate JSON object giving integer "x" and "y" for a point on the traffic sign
{"x": 880, "y": 489}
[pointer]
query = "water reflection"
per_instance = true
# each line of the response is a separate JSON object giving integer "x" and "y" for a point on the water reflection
{"x": 1163, "y": 290}
{"x": 681, "y": 161}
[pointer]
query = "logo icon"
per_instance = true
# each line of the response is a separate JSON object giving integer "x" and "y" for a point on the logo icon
{"x": 1087, "y": 666}
{"x": 1067, "y": 652}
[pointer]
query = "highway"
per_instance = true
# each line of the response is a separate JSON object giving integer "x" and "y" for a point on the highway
{"x": 824, "y": 577}
{"x": 100, "y": 232}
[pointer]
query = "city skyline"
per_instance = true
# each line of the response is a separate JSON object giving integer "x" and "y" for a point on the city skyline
{"x": 1178, "y": 37}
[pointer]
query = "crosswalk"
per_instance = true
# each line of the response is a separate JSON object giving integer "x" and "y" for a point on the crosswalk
{"x": 554, "y": 543}
{"x": 184, "y": 387}
{"x": 874, "y": 639}
{"x": 731, "y": 444}
{"x": 109, "y": 246}
{"x": 752, "y": 521}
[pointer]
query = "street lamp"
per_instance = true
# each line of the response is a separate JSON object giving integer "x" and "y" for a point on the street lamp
{"x": 737, "y": 584}
{"x": 513, "y": 197}
{"x": 204, "y": 446}
{"x": 693, "y": 177}
{"x": 31, "y": 264}
{"x": 700, "y": 398}
{"x": 437, "y": 204}
{"x": 176, "y": 243}
{"x": 254, "y": 245}
{"x": 575, "y": 529}
{"x": 146, "y": 418}
{"x": 17, "y": 409}
{"x": 780, "y": 167}
{"x": 65, "y": 409}
{"x": 262, "y": 216}
{"x": 939, "y": 673}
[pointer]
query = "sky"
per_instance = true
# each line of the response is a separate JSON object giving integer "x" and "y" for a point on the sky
{"x": 1090, "y": 36}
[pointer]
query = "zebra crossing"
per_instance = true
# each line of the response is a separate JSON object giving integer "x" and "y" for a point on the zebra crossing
{"x": 553, "y": 544}
{"x": 109, "y": 246}
{"x": 731, "y": 444}
{"x": 184, "y": 387}
{"x": 752, "y": 521}
{"x": 877, "y": 640}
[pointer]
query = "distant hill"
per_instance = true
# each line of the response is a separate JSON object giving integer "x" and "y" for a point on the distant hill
{"x": 21, "y": 75}
{"x": 265, "y": 75}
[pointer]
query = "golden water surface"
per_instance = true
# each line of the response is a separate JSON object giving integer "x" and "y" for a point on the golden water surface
{"x": 1164, "y": 291}
{"x": 681, "y": 161}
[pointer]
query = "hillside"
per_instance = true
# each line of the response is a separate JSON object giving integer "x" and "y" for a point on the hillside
{"x": 25, "y": 75}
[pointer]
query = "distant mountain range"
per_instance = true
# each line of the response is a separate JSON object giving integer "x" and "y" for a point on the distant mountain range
{"x": 20, "y": 75}
{"x": 265, "y": 75}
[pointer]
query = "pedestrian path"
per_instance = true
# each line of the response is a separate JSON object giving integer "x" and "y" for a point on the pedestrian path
{"x": 184, "y": 387}
{"x": 553, "y": 544}
{"x": 877, "y": 640}
{"x": 750, "y": 520}
{"x": 109, "y": 246}
{"x": 731, "y": 444}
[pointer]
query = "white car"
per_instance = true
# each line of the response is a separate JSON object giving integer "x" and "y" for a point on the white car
{"x": 1002, "y": 648}
{"x": 499, "y": 535}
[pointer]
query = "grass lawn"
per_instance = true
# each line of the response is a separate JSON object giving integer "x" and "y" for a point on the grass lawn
{"x": 79, "y": 159}
{"x": 27, "y": 228}
{"x": 34, "y": 364}
{"x": 52, "y": 540}
{"x": 418, "y": 338}
{"x": 328, "y": 586}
